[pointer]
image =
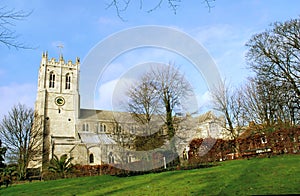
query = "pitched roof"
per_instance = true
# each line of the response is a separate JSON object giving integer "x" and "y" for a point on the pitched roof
{"x": 209, "y": 116}
{"x": 105, "y": 115}
{"x": 93, "y": 138}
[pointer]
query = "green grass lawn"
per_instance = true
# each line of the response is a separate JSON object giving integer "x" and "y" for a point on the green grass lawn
{"x": 275, "y": 175}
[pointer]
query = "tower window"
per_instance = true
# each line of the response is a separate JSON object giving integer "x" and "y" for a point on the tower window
{"x": 68, "y": 81}
{"x": 52, "y": 80}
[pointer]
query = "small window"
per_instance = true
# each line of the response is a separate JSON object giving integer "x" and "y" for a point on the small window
{"x": 52, "y": 80}
{"x": 68, "y": 81}
{"x": 99, "y": 127}
{"x": 128, "y": 158}
{"x": 102, "y": 127}
{"x": 85, "y": 127}
{"x": 91, "y": 158}
{"x": 111, "y": 158}
{"x": 134, "y": 129}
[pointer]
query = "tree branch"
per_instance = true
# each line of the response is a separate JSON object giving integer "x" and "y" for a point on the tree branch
{"x": 8, "y": 37}
{"x": 121, "y": 6}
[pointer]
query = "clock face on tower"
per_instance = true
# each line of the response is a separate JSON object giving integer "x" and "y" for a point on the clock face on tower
{"x": 60, "y": 101}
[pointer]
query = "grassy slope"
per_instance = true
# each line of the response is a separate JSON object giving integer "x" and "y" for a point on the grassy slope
{"x": 274, "y": 175}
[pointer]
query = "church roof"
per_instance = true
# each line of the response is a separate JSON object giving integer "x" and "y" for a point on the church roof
{"x": 94, "y": 114}
{"x": 93, "y": 138}
{"x": 105, "y": 115}
{"x": 209, "y": 116}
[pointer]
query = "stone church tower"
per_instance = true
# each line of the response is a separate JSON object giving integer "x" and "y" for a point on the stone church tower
{"x": 57, "y": 104}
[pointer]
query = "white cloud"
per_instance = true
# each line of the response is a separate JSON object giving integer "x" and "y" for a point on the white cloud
{"x": 103, "y": 99}
{"x": 226, "y": 44}
{"x": 108, "y": 21}
{"x": 16, "y": 93}
{"x": 113, "y": 71}
{"x": 213, "y": 33}
{"x": 204, "y": 101}
{"x": 111, "y": 95}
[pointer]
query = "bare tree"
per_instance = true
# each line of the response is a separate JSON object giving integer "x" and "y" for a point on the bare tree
{"x": 228, "y": 101}
{"x": 143, "y": 100}
{"x": 253, "y": 103}
{"x": 268, "y": 103}
{"x": 21, "y": 136}
{"x": 122, "y": 6}
{"x": 173, "y": 90}
{"x": 274, "y": 56}
{"x": 8, "y": 37}
{"x": 156, "y": 96}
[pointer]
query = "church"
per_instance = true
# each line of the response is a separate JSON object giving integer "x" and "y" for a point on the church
{"x": 92, "y": 137}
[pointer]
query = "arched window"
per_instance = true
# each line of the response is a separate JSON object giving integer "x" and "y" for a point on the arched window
{"x": 128, "y": 158}
{"x": 91, "y": 158}
{"x": 102, "y": 128}
{"x": 68, "y": 81}
{"x": 132, "y": 129}
{"x": 111, "y": 158}
{"x": 52, "y": 80}
{"x": 85, "y": 127}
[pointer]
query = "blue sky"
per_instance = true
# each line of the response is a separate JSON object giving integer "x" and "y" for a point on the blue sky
{"x": 79, "y": 26}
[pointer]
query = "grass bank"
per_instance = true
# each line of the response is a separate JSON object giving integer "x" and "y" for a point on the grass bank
{"x": 275, "y": 175}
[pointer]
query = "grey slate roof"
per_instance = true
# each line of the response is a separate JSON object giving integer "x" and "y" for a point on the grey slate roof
{"x": 105, "y": 115}
{"x": 93, "y": 138}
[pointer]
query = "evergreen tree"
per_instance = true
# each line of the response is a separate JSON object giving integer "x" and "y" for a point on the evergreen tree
{"x": 2, "y": 154}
